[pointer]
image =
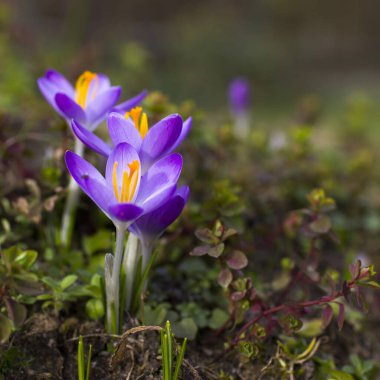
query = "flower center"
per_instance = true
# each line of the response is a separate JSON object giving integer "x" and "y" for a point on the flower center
{"x": 128, "y": 182}
{"x": 141, "y": 123}
{"x": 82, "y": 88}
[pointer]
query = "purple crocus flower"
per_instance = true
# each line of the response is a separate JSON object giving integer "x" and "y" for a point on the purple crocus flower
{"x": 124, "y": 195}
{"x": 239, "y": 96}
{"x": 151, "y": 144}
{"x": 89, "y": 102}
{"x": 151, "y": 225}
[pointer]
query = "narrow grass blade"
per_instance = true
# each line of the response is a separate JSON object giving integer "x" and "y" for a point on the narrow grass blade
{"x": 180, "y": 358}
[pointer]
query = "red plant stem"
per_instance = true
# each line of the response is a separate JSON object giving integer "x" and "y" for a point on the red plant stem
{"x": 276, "y": 309}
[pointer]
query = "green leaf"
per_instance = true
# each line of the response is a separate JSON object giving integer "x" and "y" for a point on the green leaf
{"x": 26, "y": 258}
{"x": 19, "y": 314}
{"x": 68, "y": 281}
{"x": 155, "y": 316}
{"x": 218, "y": 318}
{"x": 370, "y": 284}
{"x": 185, "y": 328}
{"x": 5, "y": 328}
{"x": 101, "y": 241}
{"x": 216, "y": 251}
{"x": 95, "y": 309}
{"x": 339, "y": 375}
{"x": 321, "y": 225}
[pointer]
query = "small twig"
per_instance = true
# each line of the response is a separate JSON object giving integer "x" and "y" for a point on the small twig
{"x": 104, "y": 335}
{"x": 132, "y": 360}
{"x": 120, "y": 349}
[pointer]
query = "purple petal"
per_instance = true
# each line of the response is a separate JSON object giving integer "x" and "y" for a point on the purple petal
{"x": 69, "y": 108}
{"x": 123, "y": 130}
{"x": 90, "y": 139}
{"x": 60, "y": 82}
{"x": 49, "y": 91}
{"x": 103, "y": 83}
{"x": 184, "y": 192}
{"x": 159, "y": 139}
{"x": 89, "y": 179}
{"x": 124, "y": 154}
{"x": 101, "y": 194}
{"x": 130, "y": 103}
{"x": 151, "y": 225}
{"x": 159, "y": 181}
{"x": 98, "y": 108}
{"x": 125, "y": 212}
{"x": 185, "y": 130}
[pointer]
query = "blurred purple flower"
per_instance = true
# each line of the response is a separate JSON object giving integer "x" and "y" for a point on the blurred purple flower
{"x": 89, "y": 102}
{"x": 239, "y": 96}
{"x": 150, "y": 143}
{"x": 124, "y": 194}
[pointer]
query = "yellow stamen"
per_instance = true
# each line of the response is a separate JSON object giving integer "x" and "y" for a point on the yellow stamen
{"x": 133, "y": 175}
{"x": 125, "y": 184}
{"x": 144, "y": 125}
{"x": 82, "y": 87}
{"x": 141, "y": 124}
{"x": 128, "y": 182}
{"x": 114, "y": 180}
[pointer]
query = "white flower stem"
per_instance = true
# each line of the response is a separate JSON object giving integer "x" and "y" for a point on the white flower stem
{"x": 130, "y": 263}
{"x": 146, "y": 255}
{"x": 242, "y": 125}
{"x": 73, "y": 191}
{"x": 120, "y": 232}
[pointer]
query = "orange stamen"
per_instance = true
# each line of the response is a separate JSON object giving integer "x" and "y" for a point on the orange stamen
{"x": 82, "y": 87}
{"x": 141, "y": 123}
{"x": 128, "y": 184}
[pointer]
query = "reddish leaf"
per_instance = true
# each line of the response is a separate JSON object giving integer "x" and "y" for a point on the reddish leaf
{"x": 355, "y": 269}
{"x": 327, "y": 315}
{"x": 340, "y": 315}
{"x": 237, "y": 296}
{"x": 206, "y": 236}
{"x": 200, "y": 251}
{"x": 237, "y": 260}
{"x": 224, "y": 277}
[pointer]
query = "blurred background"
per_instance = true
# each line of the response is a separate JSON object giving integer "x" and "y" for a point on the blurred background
{"x": 289, "y": 50}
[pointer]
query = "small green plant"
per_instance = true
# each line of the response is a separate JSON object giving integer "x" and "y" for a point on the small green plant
{"x": 168, "y": 352}
{"x": 361, "y": 369}
{"x": 18, "y": 285}
{"x": 61, "y": 291}
{"x": 83, "y": 370}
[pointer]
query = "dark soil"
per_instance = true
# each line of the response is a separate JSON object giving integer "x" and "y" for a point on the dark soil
{"x": 47, "y": 349}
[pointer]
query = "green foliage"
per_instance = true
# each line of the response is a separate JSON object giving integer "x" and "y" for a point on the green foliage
{"x": 83, "y": 367}
{"x": 18, "y": 285}
{"x": 95, "y": 305}
{"x": 361, "y": 369}
{"x": 170, "y": 351}
{"x": 60, "y": 292}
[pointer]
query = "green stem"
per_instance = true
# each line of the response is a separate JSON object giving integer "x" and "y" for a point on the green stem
{"x": 68, "y": 217}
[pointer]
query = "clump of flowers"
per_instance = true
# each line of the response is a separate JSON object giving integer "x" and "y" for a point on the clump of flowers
{"x": 139, "y": 191}
{"x": 89, "y": 103}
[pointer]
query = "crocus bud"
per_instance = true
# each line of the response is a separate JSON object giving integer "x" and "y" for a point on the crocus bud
{"x": 239, "y": 96}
